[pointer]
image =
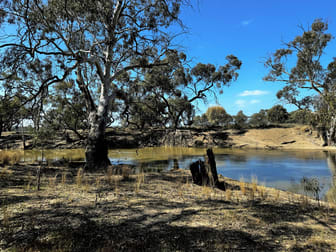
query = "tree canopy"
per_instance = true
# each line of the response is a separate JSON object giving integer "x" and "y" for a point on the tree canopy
{"x": 308, "y": 73}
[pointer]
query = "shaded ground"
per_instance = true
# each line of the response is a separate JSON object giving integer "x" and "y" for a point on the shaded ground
{"x": 154, "y": 212}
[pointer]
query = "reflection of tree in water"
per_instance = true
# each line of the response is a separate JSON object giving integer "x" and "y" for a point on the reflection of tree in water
{"x": 232, "y": 158}
{"x": 153, "y": 166}
{"x": 331, "y": 160}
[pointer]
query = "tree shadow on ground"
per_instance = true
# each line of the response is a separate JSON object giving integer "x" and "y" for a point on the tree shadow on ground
{"x": 132, "y": 234}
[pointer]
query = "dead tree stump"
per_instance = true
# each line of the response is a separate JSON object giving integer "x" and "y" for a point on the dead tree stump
{"x": 211, "y": 168}
{"x": 205, "y": 173}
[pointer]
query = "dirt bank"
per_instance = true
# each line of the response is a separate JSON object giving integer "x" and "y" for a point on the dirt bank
{"x": 296, "y": 137}
{"x": 154, "y": 212}
{"x": 293, "y": 137}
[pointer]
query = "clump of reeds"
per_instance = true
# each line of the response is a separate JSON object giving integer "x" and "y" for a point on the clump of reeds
{"x": 109, "y": 175}
{"x": 262, "y": 192}
{"x": 228, "y": 194}
{"x": 140, "y": 179}
{"x": 277, "y": 196}
{"x": 10, "y": 158}
{"x": 63, "y": 178}
{"x": 254, "y": 181}
{"x": 30, "y": 181}
{"x": 125, "y": 172}
{"x": 242, "y": 186}
{"x": 79, "y": 177}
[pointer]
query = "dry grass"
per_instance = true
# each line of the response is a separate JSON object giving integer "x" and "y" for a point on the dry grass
{"x": 160, "y": 212}
{"x": 140, "y": 179}
{"x": 262, "y": 192}
{"x": 125, "y": 172}
{"x": 79, "y": 177}
{"x": 242, "y": 186}
{"x": 5, "y": 173}
{"x": 228, "y": 194}
{"x": 10, "y": 157}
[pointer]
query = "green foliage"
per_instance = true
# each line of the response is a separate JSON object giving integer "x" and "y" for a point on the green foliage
{"x": 259, "y": 120}
{"x": 67, "y": 109}
{"x": 308, "y": 74}
{"x": 240, "y": 120}
{"x": 217, "y": 116}
{"x": 301, "y": 117}
{"x": 201, "y": 121}
{"x": 277, "y": 114}
{"x": 166, "y": 94}
{"x": 12, "y": 112}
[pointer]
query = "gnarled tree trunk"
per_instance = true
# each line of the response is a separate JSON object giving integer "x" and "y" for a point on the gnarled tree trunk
{"x": 96, "y": 152}
{"x": 332, "y": 132}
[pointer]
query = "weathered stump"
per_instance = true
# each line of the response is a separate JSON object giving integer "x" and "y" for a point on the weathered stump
{"x": 211, "y": 168}
{"x": 205, "y": 173}
{"x": 199, "y": 173}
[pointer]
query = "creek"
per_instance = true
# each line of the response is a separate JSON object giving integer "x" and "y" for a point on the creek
{"x": 279, "y": 169}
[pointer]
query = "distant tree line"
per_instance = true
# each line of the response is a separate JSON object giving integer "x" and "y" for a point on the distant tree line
{"x": 216, "y": 116}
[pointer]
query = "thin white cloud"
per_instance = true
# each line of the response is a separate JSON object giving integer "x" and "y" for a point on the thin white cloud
{"x": 254, "y": 101}
{"x": 240, "y": 103}
{"x": 253, "y": 93}
{"x": 246, "y": 22}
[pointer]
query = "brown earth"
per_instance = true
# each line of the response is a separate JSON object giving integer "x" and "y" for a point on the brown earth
{"x": 154, "y": 212}
{"x": 290, "y": 137}
{"x": 296, "y": 137}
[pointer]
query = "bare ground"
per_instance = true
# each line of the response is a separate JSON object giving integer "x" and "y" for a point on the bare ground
{"x": 294, "y": 137}
{"x": 154, "y": 212}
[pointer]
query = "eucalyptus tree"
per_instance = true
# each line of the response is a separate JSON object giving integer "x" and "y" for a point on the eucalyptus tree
{"x": 308, "y": 73}
{"x": 259, "y": 120}
{"x": 240, "y": 120}
{"x": 68, "y": 38}
{"x": 171, "y": 91}
{"x": 218, "y": 116}
{"x": 66, "y": 109}
{"x": 12, "y": 113}
{"x": 277, "y": 114}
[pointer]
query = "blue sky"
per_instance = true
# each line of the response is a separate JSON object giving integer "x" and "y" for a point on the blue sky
{"x": 251, "y": 30}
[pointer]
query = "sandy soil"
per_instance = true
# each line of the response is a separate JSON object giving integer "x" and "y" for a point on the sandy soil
{"x": 154, "y": 212}
{"x": 297, "y": 137}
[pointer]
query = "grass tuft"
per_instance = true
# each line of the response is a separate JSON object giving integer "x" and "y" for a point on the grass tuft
{"x": 79, "y": 177}
{"x": 228, "y": 194}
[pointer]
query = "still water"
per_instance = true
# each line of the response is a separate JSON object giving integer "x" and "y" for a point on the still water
{"x": 279, "y": 169}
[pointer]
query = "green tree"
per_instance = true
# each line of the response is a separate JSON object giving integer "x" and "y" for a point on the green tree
{"x": 240, "y": 120}
{"x": 259, "y": 120}
{"x": 301, "y": 116}
{"x": 171, "y": 91}
{"x": 308, "y": 73}
{"x": 277, "y": 114}
{"x": 12, "y": 112}
{"x": 217, "y": 116}
{"x": 67, "y": 109}
{"x": 201, "y": 121}
{"x": 110, "y": 39}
